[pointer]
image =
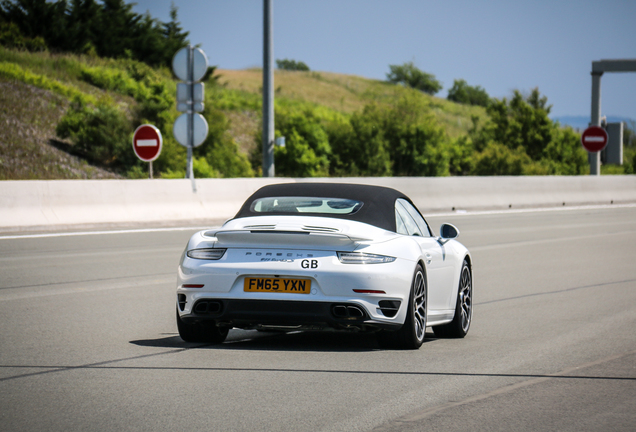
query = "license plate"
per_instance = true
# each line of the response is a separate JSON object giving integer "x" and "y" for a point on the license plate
{"x": 277, "y": 285}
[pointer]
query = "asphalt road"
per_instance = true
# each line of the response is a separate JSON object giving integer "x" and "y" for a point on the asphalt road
{"x": 88, "y": 341}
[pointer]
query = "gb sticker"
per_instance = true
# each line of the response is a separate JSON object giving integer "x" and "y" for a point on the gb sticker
{"x": 309, "y": 264}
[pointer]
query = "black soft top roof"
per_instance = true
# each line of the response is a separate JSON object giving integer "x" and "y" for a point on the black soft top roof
{"x": 378, "y": 207}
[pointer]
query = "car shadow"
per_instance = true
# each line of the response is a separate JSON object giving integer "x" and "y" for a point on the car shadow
{"x": 279, "y": 341}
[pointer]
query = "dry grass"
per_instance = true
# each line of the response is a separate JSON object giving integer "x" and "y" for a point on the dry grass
{"x": 244, "y": 127}
{"x": 336, "y": 91}
{"x": 348, "y": 94}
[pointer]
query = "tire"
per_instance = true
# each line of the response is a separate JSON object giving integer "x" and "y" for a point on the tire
{"x": 411, "y": 335}
{"x": 201, "y": 332}
{"x": 459, "y": 326}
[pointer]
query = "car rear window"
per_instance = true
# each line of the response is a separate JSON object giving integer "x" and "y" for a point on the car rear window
{"x": 295, "y": 205}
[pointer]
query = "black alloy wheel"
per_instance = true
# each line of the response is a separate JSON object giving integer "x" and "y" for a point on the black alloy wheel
{"x": 411, "y": 335}
{"x": 458, "y": 328}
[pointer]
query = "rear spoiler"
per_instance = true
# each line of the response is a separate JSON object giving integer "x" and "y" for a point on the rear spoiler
{"x": 273, "y": 238}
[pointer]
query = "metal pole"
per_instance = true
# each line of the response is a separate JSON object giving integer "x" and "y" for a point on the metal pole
{"x": 595, "y": 157}
{"x": 268, "y": 91}
{"x": 189, "y": 168}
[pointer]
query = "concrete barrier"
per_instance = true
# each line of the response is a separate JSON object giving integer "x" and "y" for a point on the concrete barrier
{"x": 42, "y": 205}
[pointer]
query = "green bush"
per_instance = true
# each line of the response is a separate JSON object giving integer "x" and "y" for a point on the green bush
{"x": 461, "y": 92}
{"x": 219, "y": 155}
{"x": 461, "y": 154}
{"x": 138, "y": 172}
{"x": 174, "y": 173}
{"x": 413, "y": 77}
{"x": 402, "y": 139}
{"x": 417, "y": 144}
{"x": 523, "y": 127}
{"x": 11, "y": 37}
{"x": 564, "y": 154}
{"x": 291, "y": 65}
{"x": 142, "y": 83}
{"x": 307, "y": 150}
{"x": 13, "y": 71}
{"x": 498, "y": 159}
{"x": 101, "y": 135}
{"x": 113, "y": 79}
{"x": 359, "y": 146}
{"x": 220, "y": 151}
{"x": 202, "y": 168}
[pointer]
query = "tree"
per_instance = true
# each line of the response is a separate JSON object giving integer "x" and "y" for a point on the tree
{"x": 523, "y": 127}
{"x": 411, "y": 76}
{"x": 359, "y": 146}
{"x": 291, "y": 65}
{"x": 417, "y": 143}
{"x": 109, "y": 28}
{"x": 174, "y": 36}
{"x": 402, "y": 139}
{"x": 461, "y": 92}
{"x": 307, "y": 150}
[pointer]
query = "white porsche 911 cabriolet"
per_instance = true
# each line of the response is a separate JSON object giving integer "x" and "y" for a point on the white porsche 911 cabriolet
{"x": 326, "y": 256}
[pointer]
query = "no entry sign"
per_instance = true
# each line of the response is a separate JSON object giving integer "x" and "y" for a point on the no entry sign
{"x": 594, "y": 139}
{"x": 147, "y": 142}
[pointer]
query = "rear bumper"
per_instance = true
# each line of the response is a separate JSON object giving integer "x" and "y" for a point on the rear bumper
{"x": 249, "y": 313}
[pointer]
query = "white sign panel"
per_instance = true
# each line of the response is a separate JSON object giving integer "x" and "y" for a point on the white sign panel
{"x": 199, "y": 64}
{"x": 199, "y": 126}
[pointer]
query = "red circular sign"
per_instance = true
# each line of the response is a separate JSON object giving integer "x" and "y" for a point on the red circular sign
{"x": 594, "y": 139}
{"x": 147, "y": 142}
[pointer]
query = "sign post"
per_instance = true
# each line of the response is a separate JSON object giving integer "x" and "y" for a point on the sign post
{"x": 147, "y": 143}
{"x": 190, "y": 129}
{"x": 594, "y": 139}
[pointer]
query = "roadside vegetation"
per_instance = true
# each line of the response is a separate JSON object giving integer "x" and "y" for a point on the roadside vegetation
{"x": 81, "y": 101}
{"x": 291, "y": 65}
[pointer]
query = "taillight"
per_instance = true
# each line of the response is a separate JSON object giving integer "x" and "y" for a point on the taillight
{"x": 206, "y": 254}
{"x": 363, "y": 258}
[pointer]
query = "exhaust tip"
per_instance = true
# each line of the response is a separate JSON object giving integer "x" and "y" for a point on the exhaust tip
{"x": 340, "y": 311}
{"x": 207, "y": 307}
{"x": 355, "y": 311}
{"x": 347, "y": 311}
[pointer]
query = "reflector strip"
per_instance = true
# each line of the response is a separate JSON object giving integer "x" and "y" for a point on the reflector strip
{"x": 147, "y": 143}
{"x": 362, "y": 291}
{"x": 192, "y": 285}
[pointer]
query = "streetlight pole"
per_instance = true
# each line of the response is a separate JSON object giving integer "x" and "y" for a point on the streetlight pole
{"x": 268, "y": 91}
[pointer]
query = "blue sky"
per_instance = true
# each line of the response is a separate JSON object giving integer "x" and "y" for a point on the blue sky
{"x": 499, "y": 45}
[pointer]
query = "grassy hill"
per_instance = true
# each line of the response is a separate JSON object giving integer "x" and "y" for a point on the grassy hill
{"x": 28, "y": 147}
{"x": 347, "y": 94}
{"x": 39, "y": 88}
{"x": 68, "y": 116}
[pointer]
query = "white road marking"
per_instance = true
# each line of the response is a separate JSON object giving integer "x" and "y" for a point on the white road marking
{"x": 84, "y": 233}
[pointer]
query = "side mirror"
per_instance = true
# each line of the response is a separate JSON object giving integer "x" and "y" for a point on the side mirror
{"x": 448, "y": 231}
